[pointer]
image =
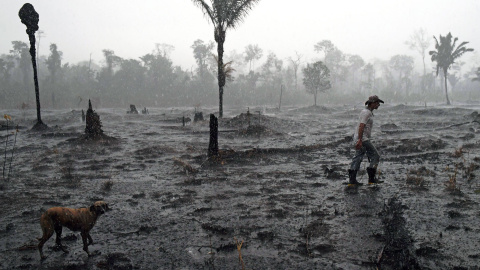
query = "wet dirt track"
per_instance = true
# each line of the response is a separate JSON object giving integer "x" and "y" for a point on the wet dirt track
{"x": 278, "y": 189}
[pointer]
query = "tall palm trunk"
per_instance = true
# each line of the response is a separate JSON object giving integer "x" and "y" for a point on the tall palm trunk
{"x": 446, "y": 92}
{"x": 35, "y": 77}
{"x": 220, "y": 39}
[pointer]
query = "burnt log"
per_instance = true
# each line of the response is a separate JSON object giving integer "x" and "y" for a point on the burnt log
{"x": 213, "y": 145}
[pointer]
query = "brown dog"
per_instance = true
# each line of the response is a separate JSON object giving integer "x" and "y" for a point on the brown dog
{"x": 81, "y": 219}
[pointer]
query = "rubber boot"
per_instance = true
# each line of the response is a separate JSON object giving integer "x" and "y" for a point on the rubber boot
{"x": 371, "y": 176}
{"x": 352, "y": 175}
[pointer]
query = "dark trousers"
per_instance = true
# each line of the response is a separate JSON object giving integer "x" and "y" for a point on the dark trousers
{"x": 372, "y": 154}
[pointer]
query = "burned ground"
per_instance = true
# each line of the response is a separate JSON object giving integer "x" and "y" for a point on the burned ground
{"x": 277, "y": 187}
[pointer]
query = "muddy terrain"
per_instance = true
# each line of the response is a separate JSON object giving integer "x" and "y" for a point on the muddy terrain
{"x": 277, "y": 188}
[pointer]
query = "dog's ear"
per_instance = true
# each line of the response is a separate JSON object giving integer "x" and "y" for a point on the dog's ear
{"x": 92, "y": 208}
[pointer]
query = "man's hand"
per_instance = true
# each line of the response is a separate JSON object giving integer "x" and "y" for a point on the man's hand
{"x": 358, "y": 146}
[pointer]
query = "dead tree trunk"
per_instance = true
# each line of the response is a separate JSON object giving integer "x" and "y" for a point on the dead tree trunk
{"x": 213, "y": 145}
{"x": 30, "y": 18}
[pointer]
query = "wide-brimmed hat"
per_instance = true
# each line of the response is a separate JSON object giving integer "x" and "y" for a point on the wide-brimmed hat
{"x": 373, "y": 99}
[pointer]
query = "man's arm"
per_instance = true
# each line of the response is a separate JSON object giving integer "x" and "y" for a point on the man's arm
{"x": 361, "y": 127}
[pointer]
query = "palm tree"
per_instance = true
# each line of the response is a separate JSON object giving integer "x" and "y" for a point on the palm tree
{"x": 445, "y": 55}
{"x": 224, "y": 14}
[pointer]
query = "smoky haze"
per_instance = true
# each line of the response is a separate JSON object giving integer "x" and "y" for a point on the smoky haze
{"x": 87, "y": 33}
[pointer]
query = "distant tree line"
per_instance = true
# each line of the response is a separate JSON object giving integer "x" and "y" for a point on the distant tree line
{"x": 154, "y": 80}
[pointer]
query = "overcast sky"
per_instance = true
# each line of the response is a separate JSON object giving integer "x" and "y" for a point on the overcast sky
{"x": 369, "y": 28}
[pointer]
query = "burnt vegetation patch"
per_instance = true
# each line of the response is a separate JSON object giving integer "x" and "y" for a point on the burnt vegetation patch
{"x": 217, "y": 229}
{"x": 398, "y": 250}
{"x": 414, "y": 145}
{"x": 281, "y": 194}
{"x": 154, "y": 151}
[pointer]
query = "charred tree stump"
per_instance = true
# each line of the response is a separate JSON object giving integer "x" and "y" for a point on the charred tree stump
{"x": 94, "y": 125}
{"x": 83, "y": 115}
{"x": 133, "y": 109}
{"x": 198, "y": 116}
{"x": 213, "y": 145}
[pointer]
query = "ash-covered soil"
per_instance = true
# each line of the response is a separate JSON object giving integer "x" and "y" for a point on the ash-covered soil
{"x": 277, "y": 187}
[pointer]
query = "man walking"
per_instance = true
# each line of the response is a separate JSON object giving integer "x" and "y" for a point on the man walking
{"x": 363, "y": 144}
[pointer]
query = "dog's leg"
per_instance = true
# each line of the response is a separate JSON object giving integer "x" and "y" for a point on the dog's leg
{"x": 45, "y": 237}
{"x": 58, "y": 240}
{"x": 84, "y": 239}
{"x": 47, "y": 229}
{"x": 90, "y": 240}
